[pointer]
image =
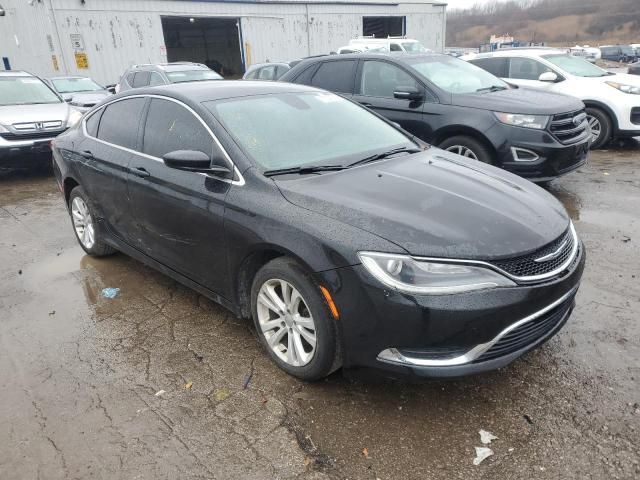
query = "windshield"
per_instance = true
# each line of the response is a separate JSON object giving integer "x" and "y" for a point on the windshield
{"x": 25, "y": 91}
{"x": 73, "y": 85}
{"x": 576, "y": 66}
{"x": 298, "y": 129}
{"x": 414, "y": 47}
{"x": 192, "y": 76}
{"x": 456, "y": 76}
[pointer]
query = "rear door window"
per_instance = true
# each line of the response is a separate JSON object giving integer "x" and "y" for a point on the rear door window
{"x": 171, "y": 127}
{"x": 141, "y": 79}
{"x": 156, "y": 79}
{"x": 526, "y": 68}
{"x": 336, "y": 76}
{"x": 267, "y": 73}
{"x": 381, "y": 79}
{"x": 92, "y": 123}
{"x": 120, "y": 121}
{"x": 498, "y": 66}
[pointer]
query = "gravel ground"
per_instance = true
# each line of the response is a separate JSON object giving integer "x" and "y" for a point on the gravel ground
{"x": 158, "y": 382}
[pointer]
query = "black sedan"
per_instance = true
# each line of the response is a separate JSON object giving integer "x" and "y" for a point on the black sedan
{"x": 349, "y": 242}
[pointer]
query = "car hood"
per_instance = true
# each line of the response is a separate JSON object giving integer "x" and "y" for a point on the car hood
{"x": 623, "y": 78}
{"x": 436, "y": 204}
{"x": 89, "y": 98}
{"x": 11, "y": 114}
{"x": 519, "y": 100}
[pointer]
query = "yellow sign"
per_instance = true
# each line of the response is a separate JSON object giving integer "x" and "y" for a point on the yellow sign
{"x": 82, "y": 62}
{"x": 54, "y": 59}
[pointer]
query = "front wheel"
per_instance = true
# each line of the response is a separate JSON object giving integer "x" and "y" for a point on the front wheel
{"x": 600, "y": 125}
{"x": 84, "y": 225}
{"x": 293, "y": 321}
{"x": 467, "y": 146}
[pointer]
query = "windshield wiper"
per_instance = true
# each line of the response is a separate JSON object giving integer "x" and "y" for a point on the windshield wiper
{"x": 380, "y": 156}
{"x": 492, "y": 88}
{"x": 303, "y": 170}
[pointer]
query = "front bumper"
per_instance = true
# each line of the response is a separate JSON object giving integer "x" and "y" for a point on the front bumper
{"x": 25, "y": 154}
{"x": 448, "y": 335}
{"x": 554, "y": 158}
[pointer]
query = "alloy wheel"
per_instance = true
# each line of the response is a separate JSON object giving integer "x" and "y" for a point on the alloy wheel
{"x": 82, "y": 222}
{"x": 286, "y": 322}
{"x": 462, "y": 151}
{"x": 596, "y": 128}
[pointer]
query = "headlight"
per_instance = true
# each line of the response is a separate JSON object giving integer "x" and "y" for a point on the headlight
{"x": 624, "y": 88}
{"x": 539, "y": 122}
{"x": 74, "y": 117}
{"x": 403, "y": 273}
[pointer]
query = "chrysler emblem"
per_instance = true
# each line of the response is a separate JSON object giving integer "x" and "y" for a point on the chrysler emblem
{"x": 552, "y": 255}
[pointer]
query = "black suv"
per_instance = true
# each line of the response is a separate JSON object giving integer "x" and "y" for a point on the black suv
{"x": 461, "y": 108}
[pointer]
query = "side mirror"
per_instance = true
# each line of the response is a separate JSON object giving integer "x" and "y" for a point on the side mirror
{"x": 194, "y": 161}
{"x": 408, "y": 93}
{"x": 548, "y": 77}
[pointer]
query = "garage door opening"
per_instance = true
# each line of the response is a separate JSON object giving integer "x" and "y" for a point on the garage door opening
{"x": 383, "y": 27}
{"x": 212, "y": 41}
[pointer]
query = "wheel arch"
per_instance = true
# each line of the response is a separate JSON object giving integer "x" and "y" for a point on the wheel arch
{"x": 249, "y": 266}
{"x": 443, "y": 133}
{"x": 67, "y": 186}
{"x": 610, "y": 113}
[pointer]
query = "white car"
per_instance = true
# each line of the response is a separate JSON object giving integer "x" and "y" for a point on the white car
{"x": 612, "y": 99}
{"x": 390, "y": 44}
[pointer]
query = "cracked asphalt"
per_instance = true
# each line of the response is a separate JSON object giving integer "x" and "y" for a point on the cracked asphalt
{"x": 160, "y": 383}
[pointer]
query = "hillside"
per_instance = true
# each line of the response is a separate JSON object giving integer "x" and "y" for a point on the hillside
{"x": 557, "y": 22}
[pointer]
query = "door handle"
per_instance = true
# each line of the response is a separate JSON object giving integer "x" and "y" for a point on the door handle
{"x": 86, "y": 154}
{"x": 141, "y": 172}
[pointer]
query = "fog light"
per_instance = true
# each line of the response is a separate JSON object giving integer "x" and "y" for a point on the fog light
{"x": 523, "y": 155}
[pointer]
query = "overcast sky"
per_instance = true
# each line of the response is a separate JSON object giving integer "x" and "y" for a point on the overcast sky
{"x": 454, "y": 4}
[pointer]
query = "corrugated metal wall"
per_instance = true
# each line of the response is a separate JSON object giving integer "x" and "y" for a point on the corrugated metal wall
{"x": 119, "y": 33}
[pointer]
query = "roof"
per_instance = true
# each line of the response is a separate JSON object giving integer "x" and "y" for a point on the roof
{"x": 16, "y": 73}
{"x": 533, "y": 51}
{"x": 210, "y": 90}
{"x": 65, "y": 77}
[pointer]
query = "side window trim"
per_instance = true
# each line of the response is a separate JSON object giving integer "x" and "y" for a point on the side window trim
{"x": 240, "y": 181}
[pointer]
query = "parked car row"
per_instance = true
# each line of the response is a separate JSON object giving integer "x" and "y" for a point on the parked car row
{"x": 612, "y": 100}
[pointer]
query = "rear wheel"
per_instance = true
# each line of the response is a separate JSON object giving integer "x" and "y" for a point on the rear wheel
{"x": 600, "y": 125}
{"x": 467, "y": 146}
{"x": 293, "y": 322}
{"x": 84, "y": 225}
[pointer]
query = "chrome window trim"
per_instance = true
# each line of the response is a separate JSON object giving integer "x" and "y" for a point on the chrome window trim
{"x": 239, "y": 182}
{"x": 392, "y": 355}
{"x": 527, "y": 279}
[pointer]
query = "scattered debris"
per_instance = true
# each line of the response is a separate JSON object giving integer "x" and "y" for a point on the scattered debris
{"x": 511, "y": 449}
{"x": 222, "y": 394}
{"x": 528, "y": 419}
{"x": 481, "y": 454}
{"x": 626, "y": 239}
{"x": 248, "y": 376}
{"x": 160, "y": 392}
{"x": 110, "y": 292}
{"x": 19, "y": 272}
{"x": 605, "y": 173}
{"x": 188, "y": 385}
{"x": 486, "y": 437}
{"x": 308, "y": 461}
{"x": 365, "y": 452}
{"x": 52, "y": 312}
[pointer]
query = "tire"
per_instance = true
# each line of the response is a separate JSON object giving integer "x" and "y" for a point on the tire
{"x": 598, "y": 117}
{"x": 475, "y": 149}
{"x": 305, "y": 361}
{"x": 82, "y": 219}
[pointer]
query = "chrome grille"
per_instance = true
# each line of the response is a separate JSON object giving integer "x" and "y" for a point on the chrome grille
{"x": 540, "y": 261}
{"x": 31, "y": 135}
{"x": 569, "y": 127}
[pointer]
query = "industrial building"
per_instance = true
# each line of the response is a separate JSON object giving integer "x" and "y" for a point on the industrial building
{"x": 101, "y": 38}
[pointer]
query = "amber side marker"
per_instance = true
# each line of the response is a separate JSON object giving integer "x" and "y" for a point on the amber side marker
{"x": 330, "y": 302}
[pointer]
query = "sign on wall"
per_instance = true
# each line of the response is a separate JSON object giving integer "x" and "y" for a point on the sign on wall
{"x": 77, "y": 42}
{"x": 54, "y": 59}
{"x": 82, "y": 62}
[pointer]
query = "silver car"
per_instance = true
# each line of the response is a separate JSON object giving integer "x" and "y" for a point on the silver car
{"x": 80, "y": 92}
{"x": 152, "y": 74}
{"x": 31, "y": 115}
